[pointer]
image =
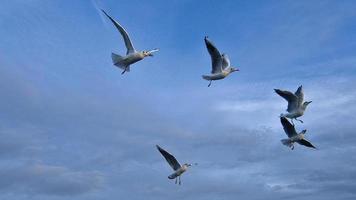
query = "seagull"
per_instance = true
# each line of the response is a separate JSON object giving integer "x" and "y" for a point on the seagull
{"x": 296, "y": 106}
{"x": 172, "y": 161}
{"x": 293, "y": 136}
{"x": 132, "y": 55}
{"x": 220, "y": 63}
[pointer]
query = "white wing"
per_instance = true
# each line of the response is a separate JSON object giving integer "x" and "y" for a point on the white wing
{"x": 225, "y": 61}
{"x": 125, "y": 35}
{"x": 216, "y": 59}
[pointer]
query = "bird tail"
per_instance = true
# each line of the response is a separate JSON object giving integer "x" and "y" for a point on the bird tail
{"x": 286, "y": 142}
{"x": 173, "y": 176}
{"x": 118, "y": 61}
{"x": 206, "y": 77}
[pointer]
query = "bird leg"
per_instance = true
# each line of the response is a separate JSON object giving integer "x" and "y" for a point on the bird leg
{"x": 299, "y": 120}
{"x": 209, "y": 83}
{"x": 124, "y": 71}
{"x": 292, "y": 147}
{"x": 179, "y": 180}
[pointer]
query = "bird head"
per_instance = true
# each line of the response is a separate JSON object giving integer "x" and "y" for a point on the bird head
{"x": 233, "y": 69}
{"x": 149, "y": 53}
{"x": 189, "y": 165}
{"x": 305, "y": 104}
{"x": 303, "y": 131}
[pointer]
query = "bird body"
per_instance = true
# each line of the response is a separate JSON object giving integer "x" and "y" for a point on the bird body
{"x": 172, "y": 161}
{"x": 132, "y": 56}
{"x": 293, "y": 136}
{"x": 179, "y": 171}
{"x": 296, "y": 104}
{"x": 220, "y": 63}
{"x": 216, "y": 76}
{"x": 293, "y": 115}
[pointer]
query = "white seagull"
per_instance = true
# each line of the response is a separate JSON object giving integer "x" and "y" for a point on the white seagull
{"x": 172, "y": 161}
{"x": 293, "y": 136}
{"x": 132, "y": 55}
{"x": 220, "y": 63}
{"x": 296, "y": 104}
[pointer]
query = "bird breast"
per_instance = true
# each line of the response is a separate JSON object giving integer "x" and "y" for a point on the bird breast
{"x": 297, "y": 137}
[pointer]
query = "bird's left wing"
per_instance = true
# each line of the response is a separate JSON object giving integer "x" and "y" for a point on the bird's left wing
{"x": 129, "y": 46}
{"x": 172, "y": 161}
{"x": 216, "y": 59}
{"x": 290, "y": 97}
{"x": 306, "y": 143}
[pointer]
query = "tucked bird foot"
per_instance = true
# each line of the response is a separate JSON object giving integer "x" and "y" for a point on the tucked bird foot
{"x": 209, "y": 84}
{"x": 123, "y": 71}
{"x": 176, "y": 181}
{"x": 292, "y": 147}
{"x": 292, "y": 122}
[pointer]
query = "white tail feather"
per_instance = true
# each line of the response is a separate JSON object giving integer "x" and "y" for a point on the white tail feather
{"x": 118, "y": 61}
{"x": 286, "y": 142}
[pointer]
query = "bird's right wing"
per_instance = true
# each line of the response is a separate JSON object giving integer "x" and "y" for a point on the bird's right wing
{"x": 216, "y": 59}
{"x": 288, "y": 127}
{"x": 290, "y": 97}
{"x": 306, "y": 143}
{"x": 172, "y": 161}
{"x": 129, "y": 46}
{"x": 299, "y": 93}
{"x": 225, "y": 61}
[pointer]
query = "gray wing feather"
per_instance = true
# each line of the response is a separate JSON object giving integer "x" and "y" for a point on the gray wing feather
{"x": 216, "y": 59}
{"x": 172, "y": 161}
{"x": 299, "y": 93}
{"x": 290, "y": 97}
{"x": 288, "y": 127}
{"x": 225, "y": 61}
{"x": 306, "y": 143}
{"x": 125, "y": 35}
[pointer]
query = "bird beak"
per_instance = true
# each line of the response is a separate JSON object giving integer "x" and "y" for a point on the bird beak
{"x": 149, "y": 53}
{"x": 309, "y": 102}
{"x": 235, "y": 70}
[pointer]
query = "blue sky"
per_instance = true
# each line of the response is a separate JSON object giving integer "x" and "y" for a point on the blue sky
{"x": 72, "y": 127}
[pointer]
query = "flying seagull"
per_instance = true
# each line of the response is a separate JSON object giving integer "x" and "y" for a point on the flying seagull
{"x": 172, "y": 161}
{"x": 220, "y": 63}
{"x": 293, "y": 136}
{"x": 132, "y": 55}
{"x": 296, "y": 104}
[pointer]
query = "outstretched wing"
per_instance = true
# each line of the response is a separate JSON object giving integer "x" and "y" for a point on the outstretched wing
{"x": 225, "y": 61}
{"x": 306, "y": 143}
{"x": 216, "y": 59}
{"x": 288, "y": 127}
{"x": 299, "y": 93}
{"x": 125, "y": 35}
{"x": 172, "y": 161}
{"x": 290, "y": 97}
